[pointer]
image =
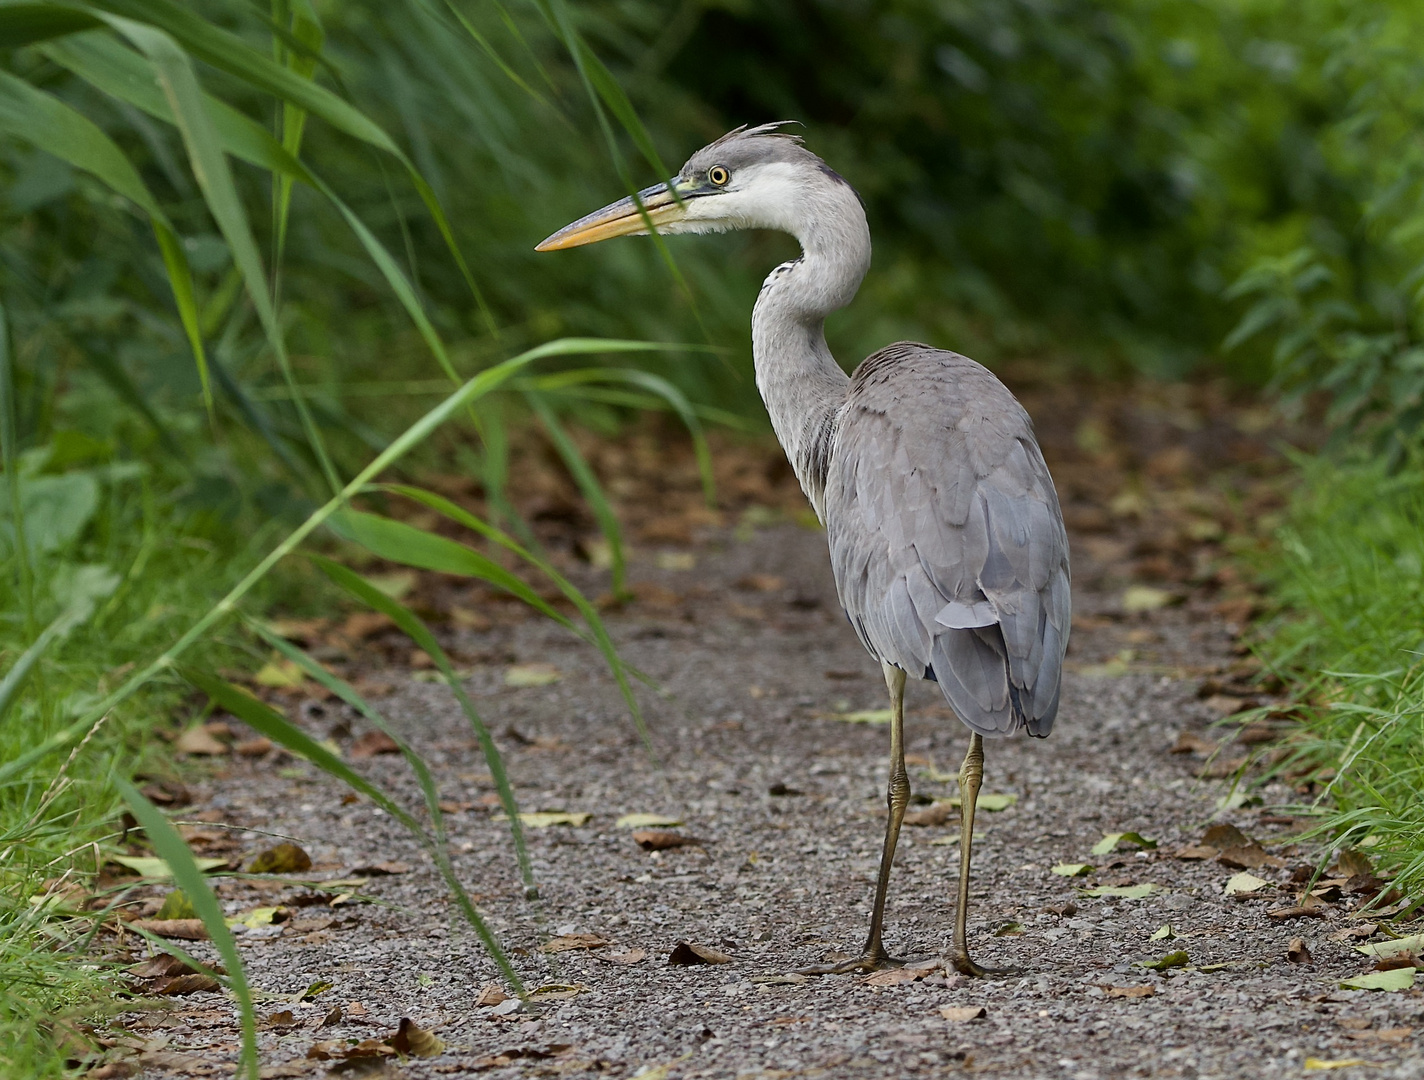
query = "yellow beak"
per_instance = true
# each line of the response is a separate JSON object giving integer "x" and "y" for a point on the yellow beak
{"x": 626, "y": 217}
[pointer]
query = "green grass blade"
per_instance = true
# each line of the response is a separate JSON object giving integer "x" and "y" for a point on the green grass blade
{"x": 474, "y": 389}
{"x": 418, "y": 632}
{"x": 272, "y": 724}
{"x": 26, "y": 24}
{"x": 169, "y": 847}
{"x": 10, "y": 458}
{"x": 399, "y": 542}
{"x": 601, "y": 638}
{"x": 185, "y": 97}
{"x": 587, "y": 483}
{"x": 75, "y": 614}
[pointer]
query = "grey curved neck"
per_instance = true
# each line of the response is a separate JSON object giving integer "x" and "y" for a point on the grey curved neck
{"x": 799, "y": 380}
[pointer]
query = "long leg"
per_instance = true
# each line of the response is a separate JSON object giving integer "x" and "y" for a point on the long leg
{"x": 971, "y": 778}
{"x": 873, "y": 957}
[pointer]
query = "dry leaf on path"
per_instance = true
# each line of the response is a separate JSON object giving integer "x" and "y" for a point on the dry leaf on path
{"x": 536, "y": 674}
{"x": 686, "y": 954}
{"x": 1125, "y": 892}
{"x": 415, "y": 1041}
{"x": 1389, "y": 981}
{"x": 492, "y": 994}
{"x": 647, "y": 821}
{"x": 893, "y": 977}
{"x": 936, "y": 814}
{"x": 1110, "y": 841}
{"x": 1297, "y": 953}
{"x": 544, "y": 819}
{"x": 199, "y": 741}
{"x": 285, "y": 1018}
{"x": 960, "y": 1013}
{"x": 632, "y": 956}
{"x": 287, "y": 858}
{"x": 662, "y": 840}
{"x": 1141, "y": 598}
{"x": 380, "y": 869}
{"x": 568, "y": 942}
{"x": 1314, "y": 1063}
{"x": 1171, "y": 960}
{"x": 373, "y": 743}
{"x": 1197, "y": 853}
{"x": 179, "y": 929}
{"x": 1313, "y": 911}
{"x": 1245, "y": 884}
{"x": 150, "y": 867}
{"x": 1146, "y": 990}
{"x": 186, "y": 984}
{"x": 1414, "y": 944}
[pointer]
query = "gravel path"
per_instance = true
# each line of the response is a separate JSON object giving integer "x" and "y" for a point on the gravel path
{"x": 787, "y": 799}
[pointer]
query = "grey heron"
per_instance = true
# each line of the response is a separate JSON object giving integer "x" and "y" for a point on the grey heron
{"x": 946, "y": 538}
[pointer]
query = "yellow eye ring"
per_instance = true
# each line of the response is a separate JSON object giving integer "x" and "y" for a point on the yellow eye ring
{"x": 719, "y": 175}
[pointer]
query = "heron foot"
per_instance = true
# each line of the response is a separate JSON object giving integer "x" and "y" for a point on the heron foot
{"x": 966, "y": 966}
{"x": 861, "y": 965}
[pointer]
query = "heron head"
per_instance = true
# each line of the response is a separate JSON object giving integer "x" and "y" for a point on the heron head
{"x": 750, "y": 178}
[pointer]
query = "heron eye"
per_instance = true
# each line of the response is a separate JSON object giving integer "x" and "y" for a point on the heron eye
{"x": 718, "y": 175}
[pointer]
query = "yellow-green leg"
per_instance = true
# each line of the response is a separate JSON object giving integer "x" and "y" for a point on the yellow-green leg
{"x": 971, "y": 779}
{"x": 873, "y": 957}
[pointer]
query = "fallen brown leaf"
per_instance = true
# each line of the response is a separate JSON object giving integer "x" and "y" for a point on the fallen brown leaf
{"x": 661, "y": 839}
{"x": 1297, "y": 953}
{"x": 286, "y": 858}
{"x": 632, "y": 956}
{"x": 960, "y": 1013}
{"x": 253, "y": 747}
{"x": 686, "y": 954}
{"x": 1197, "y": 852}
{"x": 363, "y": 624}
{"x": 1145, "y": 990}
{"x": 284, "y": 1018}
{"x": 334, "y": 1015}
{"x": 1246, "y": 856}
{"x": 381, "y": 869}
{"x": 415, "y": 1041}
{"x": 166, "y": 966}
{"x": 199, "y": 740}
{"x": 568, "y": 942}
{"x": 1189, "y": 742}
{"x": 186, "y": 984}
{"x": 1394, "y": 1035}
{"x": 338, "y": 1049}
{"x": 492, "y": 994}
{"x": 181, "y": 929}
{"x": 1225, "y": 836}
{"x": 372, "y": 743}
{"x": 937, "y": 814}
{"x": 1297, "y": 912}
{"x": 1351, "y": 862}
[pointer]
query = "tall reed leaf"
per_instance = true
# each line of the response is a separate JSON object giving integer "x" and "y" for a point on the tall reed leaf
{"x": 418, "y": 632}
{"x": 266, "y": 720}
{"x": 170, "y": 847}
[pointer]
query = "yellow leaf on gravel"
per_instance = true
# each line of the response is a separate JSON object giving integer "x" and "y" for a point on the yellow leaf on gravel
{"x": 280, "y": 674}
{"x": 150, "y": 867}
{"x": 543, "y": 819}
{"x": 989, "y": 800}
{"x": 866, "y": 716}
{"x": 1073, "y": 869}
{"x": 1140, "y": 598}
{"x": 1395, "y": 979}
{"x": 1110, "y": 841}
{"x": 262, "y": 916}
{"x": 537, "y": 674}
{"x": 1313, "y": 1063}
{"x": 1125, "y": 892}
{"x": 647, "y": 821}
{"x": 1412, "y": 944}
{"x": 1243, "y": 883}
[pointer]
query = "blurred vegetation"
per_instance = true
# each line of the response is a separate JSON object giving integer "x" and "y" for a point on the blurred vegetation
{"x": 218, "y": 309}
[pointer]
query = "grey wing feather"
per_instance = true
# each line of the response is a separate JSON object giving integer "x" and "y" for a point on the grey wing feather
{"x": 946, "y": 537}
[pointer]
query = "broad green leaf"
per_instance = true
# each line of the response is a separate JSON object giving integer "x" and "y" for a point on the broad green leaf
{"x": 399, "y": 542}
{"x": 1112, "y": 840}
{"x": 1073, "y": 869}
{"x": 187, "y": 872}
{"x": 26, "y": 24}
{"x": 1396, "y": 979}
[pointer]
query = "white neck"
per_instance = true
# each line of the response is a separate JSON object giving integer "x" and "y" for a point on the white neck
{"x": 800, "y": 382}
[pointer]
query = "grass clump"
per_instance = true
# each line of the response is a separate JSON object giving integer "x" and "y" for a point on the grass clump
{"x": 1349, "y": 572}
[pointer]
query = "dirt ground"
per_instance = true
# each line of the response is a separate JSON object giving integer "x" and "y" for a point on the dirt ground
{"x": 762, "y": 756}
